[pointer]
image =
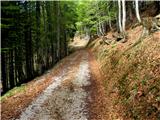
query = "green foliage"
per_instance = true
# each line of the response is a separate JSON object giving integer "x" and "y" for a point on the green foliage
{"x": 13, "y": 92}
{"x": 93, "y": 13}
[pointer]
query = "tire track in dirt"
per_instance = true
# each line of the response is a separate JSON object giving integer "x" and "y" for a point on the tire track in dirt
{"x": 98, "y": 103}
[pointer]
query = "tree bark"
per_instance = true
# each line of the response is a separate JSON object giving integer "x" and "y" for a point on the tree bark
{"x": 38, "y": 23}
{"x": 119, "y": 16}
{"x": 28, "y": 46}
{"x": 11, "y": 70}
{"x": 4, "y": 78}
{"x": 137, "y": 11}
{"x": 100, "y": 28}
{"x": 124, "y": 15}
{"x": 58, "y": 30}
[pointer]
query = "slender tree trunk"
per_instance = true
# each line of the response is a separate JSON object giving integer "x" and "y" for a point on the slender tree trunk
{"x": 31, "y": 52}
{"x": 124, "y": 15}
{"x": 65, "y": 42}
{"x": 119, "y": 16}
{"x": 15, "y": 65}
{"x": 44, "y": 18}
{"x": 27, "y": 54}
{"x": 3, "y": 62}
{"x": 19, "y": 53}
{"x": 38, "y": 23}
{"x": 103, "y": 28}
{"x": 130, "y": 11}
{"x": 98, "y": 32}
{"x": 110, "y": 25}
{"x": 4, "y": 77}
{"x": 58, "y": 30}
{"x": 49, "y": 31}
{"x": 11, "y": 70}
{"x": 55, "y": 35}
{"x": 100, "y": 28}
{"x": 137, "y": 11}
{"x": 109, "y": 21}
{"x": 27, "y": 71}
{"x": 43, "y": 52}
{"x": 28, "y": 46}
{"x": 47, "y": 59}
{"x": 19, "y": 65}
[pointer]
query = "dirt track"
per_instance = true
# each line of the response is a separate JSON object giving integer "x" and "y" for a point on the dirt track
{"x": 65, "y": 97}
{"x": 75, "y": 93}
{"x": 73, "y": 90}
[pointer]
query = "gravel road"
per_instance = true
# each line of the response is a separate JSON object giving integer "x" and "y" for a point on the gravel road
{"x": 65, "y": 98}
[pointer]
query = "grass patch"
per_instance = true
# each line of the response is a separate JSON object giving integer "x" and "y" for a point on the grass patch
{"x": 12, "y": 92}
{"x": 123, "y": 85}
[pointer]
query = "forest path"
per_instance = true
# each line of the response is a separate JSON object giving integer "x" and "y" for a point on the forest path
{"x": 76, "y": 93}
{"x": 78, "y": 43}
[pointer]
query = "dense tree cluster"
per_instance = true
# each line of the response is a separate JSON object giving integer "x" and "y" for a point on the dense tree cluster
{"x": 34, "y": 38}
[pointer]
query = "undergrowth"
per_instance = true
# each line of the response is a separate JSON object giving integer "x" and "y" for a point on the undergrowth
{"x": 13, "y": 92}
{"x": 135, "y": 71}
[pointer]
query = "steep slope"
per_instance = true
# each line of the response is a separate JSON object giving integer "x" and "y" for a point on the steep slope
{"x": 132, "y": 75}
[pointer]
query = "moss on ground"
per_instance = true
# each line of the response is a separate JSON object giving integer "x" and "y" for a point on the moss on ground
{"x": 12, "y": 92}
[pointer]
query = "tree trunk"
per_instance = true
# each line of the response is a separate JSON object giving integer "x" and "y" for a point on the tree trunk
{"x": 19, "y": 66}
{"x": 98, "y": 32}
{"x": 100, "y": 28}
{"x": 28, "y": 46}
{"x": 110, "y": 25}
{"x": 11, "y": 70}
{"x": 15, "y": 66}
{"x": 130, "y": 11}
{"x": 124, "y": 15}
{"x": 4, "y": 78}
{"x": 44, "y": 18}
{"x": 109, "y": 21}
{"x": 58, "y": 30}
{"x": 31, "y": 48}
{"x": 119, "y": 16}
{"x": 65, "y": 42}
{"x": 137, "y": 11}
{"x": 38, "y": 23}
{"x": 103, "y": 28}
